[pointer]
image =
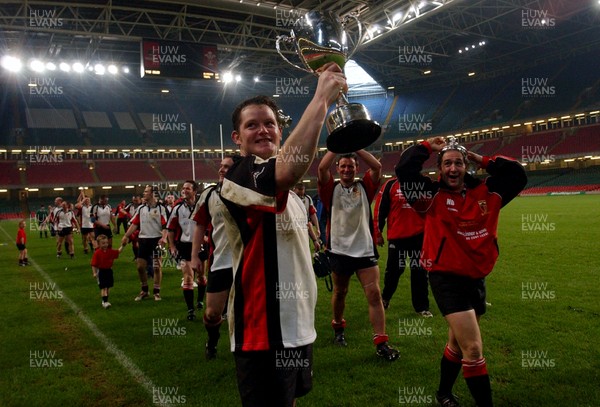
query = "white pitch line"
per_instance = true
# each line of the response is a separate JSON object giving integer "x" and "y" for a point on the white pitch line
{"x": 109, "y": 345}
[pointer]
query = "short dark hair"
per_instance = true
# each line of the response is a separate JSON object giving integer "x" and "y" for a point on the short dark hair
{"x": 257, "y": 100}
{"x": 300, "y": 185}
{"x": 194, "y": 184}
{"x": 352, "y": 156}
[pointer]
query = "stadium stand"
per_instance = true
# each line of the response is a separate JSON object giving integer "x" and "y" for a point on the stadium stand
{"x": 63, "y": 173}
{"x": 126, "y": 171}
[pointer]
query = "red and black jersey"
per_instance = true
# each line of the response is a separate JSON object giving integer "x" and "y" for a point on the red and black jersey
{"x": 274, "y": 292}
{"x": 391, "y": 205}
{"x": 460, "y": 227}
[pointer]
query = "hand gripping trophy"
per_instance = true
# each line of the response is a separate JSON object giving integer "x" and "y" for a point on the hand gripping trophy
{"x": 318, "y": 38}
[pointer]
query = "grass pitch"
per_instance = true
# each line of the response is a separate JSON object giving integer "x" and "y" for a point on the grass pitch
{"x": 541, "y": 333}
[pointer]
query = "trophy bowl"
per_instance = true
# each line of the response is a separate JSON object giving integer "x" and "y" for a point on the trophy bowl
{"x": 318, "y": 38}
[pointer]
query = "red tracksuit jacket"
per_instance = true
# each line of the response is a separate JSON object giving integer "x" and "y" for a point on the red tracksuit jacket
{"x": 460, "y": 227}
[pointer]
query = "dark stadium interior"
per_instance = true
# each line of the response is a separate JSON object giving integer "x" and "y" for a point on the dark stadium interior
{"x": 85, "y": 130}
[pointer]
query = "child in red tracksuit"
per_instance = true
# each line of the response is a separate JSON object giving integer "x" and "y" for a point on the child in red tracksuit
{"x": 102, "y": 262}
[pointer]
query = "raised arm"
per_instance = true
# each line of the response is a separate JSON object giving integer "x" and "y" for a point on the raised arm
{"x": 296, "y": 156}
{"x": 324, "y": 172}
{"x": 373, "y": 163}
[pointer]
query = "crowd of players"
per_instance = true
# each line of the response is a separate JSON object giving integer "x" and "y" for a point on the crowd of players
{"x": 245, "y": 241}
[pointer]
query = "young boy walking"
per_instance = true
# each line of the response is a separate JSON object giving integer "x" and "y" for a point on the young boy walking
{"x": 21, "y": 242}
{"x": 102, "y": 262}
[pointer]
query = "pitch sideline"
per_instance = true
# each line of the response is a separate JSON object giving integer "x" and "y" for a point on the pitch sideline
{"x": 119, "y": 355}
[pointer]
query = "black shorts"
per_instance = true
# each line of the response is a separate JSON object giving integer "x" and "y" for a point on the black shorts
{"x": 219, "y": 280}
{"x": 65, "y": 232}
{"x": 184, "y": 251}
{"x": 147, "y": 246}
{"x": 346, "y": 265}
{"x": 21, "y": 246}
{"x": 454, "y": 293}
{"x": 105, "y": 278}
{"x": 274, "y": 377}
{"x": 101, "y": 231}
{"x": 85, "y": 231}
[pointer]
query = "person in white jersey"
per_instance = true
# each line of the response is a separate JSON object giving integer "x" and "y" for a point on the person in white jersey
{"x": 209, "y": 216}
{"x": 87, "y": 225}
{"x": 350, "y": 244}
{"x": 180, "y": 233}
{"x": 65, "y": 221}
{"x": 103, "y": 218}
{"x": 151, "y": 220}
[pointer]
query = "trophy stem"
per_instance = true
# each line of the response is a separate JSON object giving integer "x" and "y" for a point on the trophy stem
{"x": 342, "y": 100}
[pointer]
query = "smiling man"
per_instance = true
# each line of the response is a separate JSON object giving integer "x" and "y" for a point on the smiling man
{"x": 460, "y": 247}
{"x": 350, "y": 241}
{"x": 274, "y": 292}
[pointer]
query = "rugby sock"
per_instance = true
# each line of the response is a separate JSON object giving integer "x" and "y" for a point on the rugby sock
{"x": 105, "y": 298}
{"x": 145, "y": 288}
{"x": 338, "y": 327}
{"x": 188, "y": 296}
{"x": 379, "y": 339}
{"x": 156, "y": 289}
{"x": 91, "y": 247}
{"x": 449, "y": 369}
{"x": 478, "y": 381}
{"x": 212, "y": 328}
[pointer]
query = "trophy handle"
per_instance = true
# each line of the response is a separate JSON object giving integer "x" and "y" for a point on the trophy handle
{"x": 359, "y": 25}
{"x": 288, "y": 40}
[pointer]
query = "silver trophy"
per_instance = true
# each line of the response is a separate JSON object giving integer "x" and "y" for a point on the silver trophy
{"x": 318, "y": 38}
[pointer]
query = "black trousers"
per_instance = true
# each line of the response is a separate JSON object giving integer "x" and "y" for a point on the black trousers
{"x": 402, "y": 253}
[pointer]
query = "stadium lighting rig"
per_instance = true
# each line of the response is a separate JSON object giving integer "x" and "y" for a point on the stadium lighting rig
{"x": 15, "y": 64}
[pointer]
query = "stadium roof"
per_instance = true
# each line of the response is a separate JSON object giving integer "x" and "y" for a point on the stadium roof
{"x": 402, "y": 40}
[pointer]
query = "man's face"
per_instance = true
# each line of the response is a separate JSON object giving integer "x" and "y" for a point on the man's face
{"x": 148, "y": 193}
{"x": 259, "y": 133}
{"x": 187, "y": 191}
{"x": 136, "y": 200}
{"x": 299, "y": 191}
{"x": 226, "y": 164}
{"x": 103, "y": 200}
{"x": 346, "y": 169}
{"x": 453, "y": 169}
